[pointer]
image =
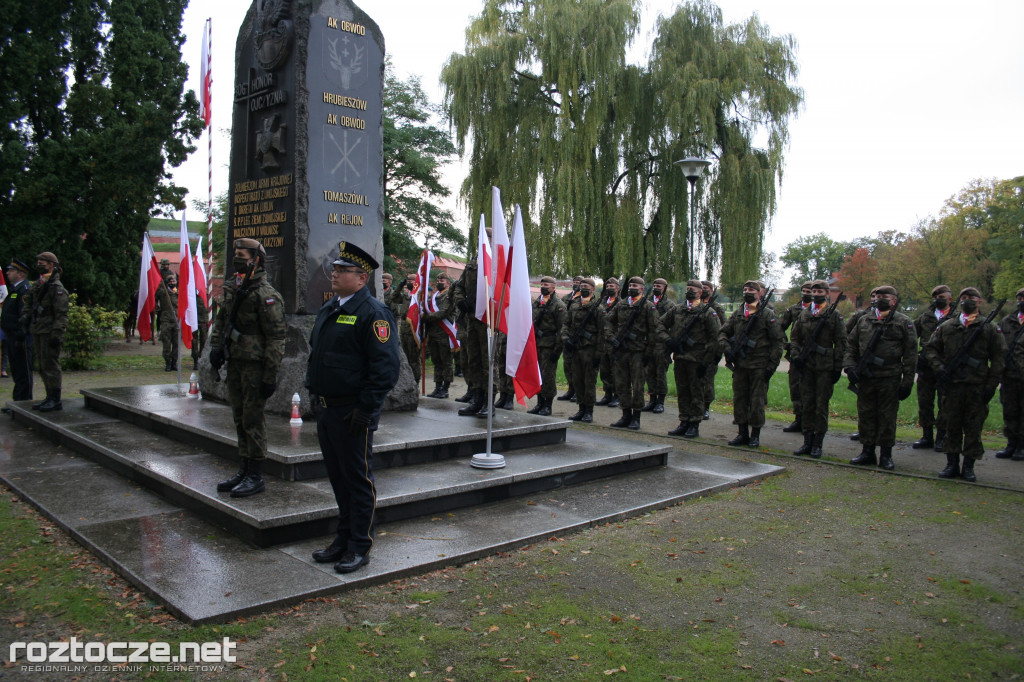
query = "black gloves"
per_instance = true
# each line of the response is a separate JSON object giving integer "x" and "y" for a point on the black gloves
{"x": 905, "y": 390}
{"x": 360, "y": 422}
{"x": 267, "y": 390}
{"x": 557, "y": 354}
{"x": 217, "y": 358}
{"x": 568, "y": 343}
{"x": 987, "y": 394}
{"x": 768, "y": 375}
{"x": 851, "y": 372}
{"x": 615, "y": 343}
{"x": 836, "y": 376}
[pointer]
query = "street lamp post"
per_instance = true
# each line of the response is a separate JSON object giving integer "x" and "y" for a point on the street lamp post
{"x": 692, "y": 169}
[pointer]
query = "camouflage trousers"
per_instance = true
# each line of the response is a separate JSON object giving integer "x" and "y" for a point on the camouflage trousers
{"x": 49, "y": 363}
{"x": 607, "y": 374}
{"x": 243, "y": 382}
{"x": 749, "y": 394}
{"x": 548, "y": 372}
{"x": 966, "y": 411}
{"x": 474, "y": 355}
{"x": 816, "y": 389}
{"x": 709, "y": 384}
{"x": 877, "y": 405}
{"x": 795, "y": 395}
{"x": 567, "y": 365}
{"x": 440, "y": 352}
{"x": 630, "y": 375}
{"x": 657, "y": 375}
{"x": 169, "y": 339}
{"x": 501, "y": 379}
{"x": 198, "y": 342}
{"x": 584, "y": 375}
{"x": 690, "y": 387}
{"x": 1011, "y": 395}
{"x": 410, "y": 348}
{"x": 926, "y": 395}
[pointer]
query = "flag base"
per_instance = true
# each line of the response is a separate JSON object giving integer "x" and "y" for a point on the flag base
{"x": 491, "y": 460}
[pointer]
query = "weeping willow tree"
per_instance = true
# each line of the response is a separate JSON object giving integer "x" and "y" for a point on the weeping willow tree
{"x": 550, "y": 110}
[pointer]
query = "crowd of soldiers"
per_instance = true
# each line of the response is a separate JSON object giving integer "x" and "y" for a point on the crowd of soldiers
{"x": 628, "y": 338}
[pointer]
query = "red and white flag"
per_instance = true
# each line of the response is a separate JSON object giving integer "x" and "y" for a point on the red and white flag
{"x": 200, "y": 272}
{"x": 188, "y": 314}
{"x": 206, "y": 76}
{"x": 149, "y": 280}
{"x": 500, "y": 259}
{"x": 521, "y": 352}
{"x": 449, "y": 327}
{"x": 420, "y": 287}
{"x": 3, "y": 287}
{"x": 484, "y": 277}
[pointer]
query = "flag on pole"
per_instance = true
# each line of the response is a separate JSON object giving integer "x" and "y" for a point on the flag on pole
{"x": 500, "y": 254}
{"x": 422, "y": 280}
{"x": 484, "y": 276}
{"x": 200, "y": 272}
{"x": 206, "y": 76}
{"x": 3, "y": 287}
{"x": 521, "y": 351}
{"x": 149, "y": 280}
{"x": 188, "y": 314}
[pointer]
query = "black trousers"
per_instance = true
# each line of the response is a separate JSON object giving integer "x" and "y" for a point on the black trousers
{"x": 347, "y": 458}
{"x": 19, "y": 359}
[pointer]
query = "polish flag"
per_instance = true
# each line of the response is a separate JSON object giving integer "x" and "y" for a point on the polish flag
{"x": 149, "y": 280}
{"x": 419, "y": 293}
{"x": 206, "y": 76}
{"x": 484, "y": 276}
{"x": 200, "y": 272}
{"x": 3, "y": 287}
{"x": 449, "y": 327}
{"x": 500, "y": 251}
{"x": 521, "y": 354}
{"x": 188, "y": 314}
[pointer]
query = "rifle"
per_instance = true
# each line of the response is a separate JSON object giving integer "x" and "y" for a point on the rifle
{"x": 922, "y": 365}
{"x": 625, "y": 332}
{"x": 742, "y": 344}
{"x": 230, "y": 334}
{"x": 573, "y": 340}
{"x": 961, "y": 358}
{"x": 862, "y": 370}
{"x": 684, "y": 336}
{"x": 812, "y": 346}
{"x": 1009, "y": 363}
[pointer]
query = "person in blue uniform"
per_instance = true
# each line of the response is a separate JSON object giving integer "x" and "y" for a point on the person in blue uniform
{"x": 353, "y": 364}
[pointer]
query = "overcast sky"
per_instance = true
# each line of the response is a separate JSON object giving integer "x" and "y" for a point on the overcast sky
{"x": 906, "y": 101}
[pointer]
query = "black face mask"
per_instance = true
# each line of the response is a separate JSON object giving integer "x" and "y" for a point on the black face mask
{"x": 940, "y": 304}
{"x": 818, "y": 300}
{"x": 968, "y": 305}
{"x": 883, "y": 304}
{"x": 633, "y": 293}
{"x": 545, "y": 291}
{"x": 586, "y": 293}
{"x": 1020, "y": 306}
{"x": 691, "y": 295}
{"x": 575, "y": 288}
{"x": 441, "y": 286}
{"x": 240, "y": 264}
{"x": 42, "y": 269}
{"x": 806, "y": 298}
{"x": 749, "y": 298}
{"x": 658, "y": 291}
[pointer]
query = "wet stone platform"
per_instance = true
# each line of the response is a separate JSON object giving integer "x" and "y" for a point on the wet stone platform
{"x": 131, "y": 474}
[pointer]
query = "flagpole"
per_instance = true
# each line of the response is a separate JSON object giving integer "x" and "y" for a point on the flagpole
{"x": 422, "y": 324}
{"x": 209, "y": 158}
{"x": 488, "y": 459}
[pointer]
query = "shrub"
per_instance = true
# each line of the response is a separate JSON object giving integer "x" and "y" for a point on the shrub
{"x": 89, "y": 330}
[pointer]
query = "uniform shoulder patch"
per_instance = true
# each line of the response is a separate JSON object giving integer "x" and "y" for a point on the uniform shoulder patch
{"x": 382, "y": 330}
{"x": 270, "y": 300}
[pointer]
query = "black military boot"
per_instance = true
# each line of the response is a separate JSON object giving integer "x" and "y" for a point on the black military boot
{"x": 866, "y": 457}
{"x": 707, "y": 411}
{"x": 755, "y": 437}
{"x": 588, "y": 414}
{"x": 926, "y": 440}
{"x": 444, "y": 389}
{"x": 967, "y": 470}
{"x": 605, "y": 399}
{"x": 579, "y": 414}
{"x": 1018, "y": 454}
{"x": 1007, "y": 453}
{"x": 568, "y": 395}
{"x": 545, "y": 409}
{"x": 438, "y": 388}
{"x": 634, "y": 423}
{"x": 252, "y": 483}
{"x": 885, "y": 458}
{"x": 940, "y": 440}
{"x": 168, "y": 367}
{"x": 243, "y": 469}
{"x": 506, "y": 401}
{"x": 952, "y": 469}
{"x": 743, "y": 437}
{"x": 627, "y": 416}
{"x": 475, "y": 403}
{"x": 680, "y": 430}
{"x": 855, "y": 436}
{"x": 467, "y": 397}
{"x": 805, "y": 449}
{"x": 659, "y": 406}
{"x": 54, "y": 404}
{"x": 650, "y": 404}
{"x": 795, "y": 427}
{"x": 693, "y": 430}
{"x": 614, "y": 402}
{"x": 819, "y": 439}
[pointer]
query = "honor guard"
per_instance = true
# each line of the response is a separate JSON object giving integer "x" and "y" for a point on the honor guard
{"x": 609, "y": 297}
{"x": 786, "y": 320}
{"x": 45, "y": 317}
{"x": 1011, "y": 392}
{"x": 399, "y": 305}
{"x": 657, "y": 371}
{"x": 582, "y": 333}
{"x": 475, "y": 363}
{"x": 692, "y": 327}
{"x": 925, "y": 325}
{"x": 570, "y": 393}
{"x": 707, "y": 290}
{"x": 548, "y": 318}
{"x": 167, "y": 314}
{"x": 17, "y": 339}
{"x": 635, "y": 335}
{"x": 439, "y": 343}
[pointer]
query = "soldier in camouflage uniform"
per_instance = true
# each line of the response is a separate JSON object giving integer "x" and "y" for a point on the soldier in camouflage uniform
{"x": 657, "y": 371}
{"x": 474, "y": 348}
{"x": 253, "y": 351}
{"x": 609, "y": 297}
{"x": 1011, "y": 392}
{"x": 889, "y": 378}
{"x": 751, "y": 372}
{"x": 707, "y": 289}
{"x": 506, "y": 389}
{"x": 199, "y": 335}
{"x": 818, "y": 363}
{"x": 693, "y": 354}
{"x": 583, "y": 333}
{"x": 970, "y": 388}
{"x": 850, "y": 324}
{"x": 925, "y": 325}
{"x": 438, "y": 342}
{"x": 548, "y": 318}
{"x": 573, "y": 295}
{"x": 387, "y": 291}
{"x": 399, "y": 305}
{"x": 786, "y": 320}
{"x": 635, "y": 335}
{"x": 167, "y": 313}
{"x": 45, "y": 317}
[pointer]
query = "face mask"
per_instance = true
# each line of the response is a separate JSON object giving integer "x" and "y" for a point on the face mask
{"x": 968, "y": 305}
{"x": 1020, "y": 306}
{"x": 441, "y": 286}
{"x": 940, "y": 304}
{"x": 691, "y": 295}
{"x": 806, "y": 298}
{"x": 241, "y": 264}
{"x": 658, "y": 291}
{"x": 633, "y": 293}
{"x": 42, "y": 269}
{"x": 749, "y": 297}
{"x": 883, "y": 304}
{"x": 819, "y": 299}
{"x": 586, "y": 293}
{"x": 575, "y": 288}
{"x": 545, "y": 291}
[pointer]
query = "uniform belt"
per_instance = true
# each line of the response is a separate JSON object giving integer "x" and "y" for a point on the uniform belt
{"x": 335, "y": 402}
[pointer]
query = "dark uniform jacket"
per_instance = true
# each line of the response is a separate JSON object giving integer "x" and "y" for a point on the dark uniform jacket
{"x": 1011, "y": 327}
{"x": 166, "y": 307}
{"x": 662, "y": 305}
{"x": 984, "y": 364}
{"x": 830, "y": 348}
{"x": 926, "y": 324}
{"x": 46, "y": 307}
{"x": 896, "y": 351}
{"x": 14, "y": 305}
{"x": 353, "y": 351}
{"x": 646, "y": 333}
{"x": 259, "y": 325}
{"x": 702, "y": 344}
{"x": 786, "y": 320}
{"x": 464, "y": 290}
{"x": 547, "y": 322}
{"x": 766, "y": 334}
{"x": 583, "y": 328}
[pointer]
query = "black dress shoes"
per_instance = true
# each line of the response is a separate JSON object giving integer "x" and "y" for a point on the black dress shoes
{"x": 332, "y": 552}
{"x": 351, "y": 562}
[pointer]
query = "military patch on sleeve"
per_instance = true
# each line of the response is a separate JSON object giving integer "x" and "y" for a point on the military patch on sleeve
{"x": 269, "y": 301}
{"x": 382, "y": 328}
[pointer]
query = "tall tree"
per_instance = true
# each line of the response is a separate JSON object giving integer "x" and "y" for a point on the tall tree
{"x": 1006, "y": 225}
{"x": 415, "y": 150}
{"x": 554, "y": 115}
{"x": 817, "y": 256}
{"x": 94, "y": 117}
{"x": 858, "y": 276}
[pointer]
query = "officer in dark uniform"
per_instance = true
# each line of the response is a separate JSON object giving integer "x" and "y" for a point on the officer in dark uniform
{"x": 891, "y": 374}
{"x": 573, "y": 295}
{"x": 609, "y": 298}
{"x": 970, "y": 388}
{"x": 19, "y": 343}
{"x": 752, "y": 372}
{"x": 819, "y": 368}
{"x": 657, "y": 371}
{"x": 1011, "y": 392}
{"x": 438, "y": 343}
{"x": 583, "y": 333}
{"x": 353, "y": 364}
{"x": 925, "y": 325}
{"x": 786, "y": 320}
{"x": 45, "y": 317}
{"x": 635, "y": 335}
{"x": 548, "y": 318}
{"x": 707, "y": 289}
{"x": 253, "y": 350}
{"x": 693, "y": 355}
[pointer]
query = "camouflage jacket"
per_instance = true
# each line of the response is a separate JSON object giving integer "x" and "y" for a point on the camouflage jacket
{"x": 547, "y": 322}
{"x": 702, "y": 345}
{"x": 45, "y": 308}
{"x": 896, "y": 351}
{"x": 984, "y": 363}
{"x": 259, "y": 326}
